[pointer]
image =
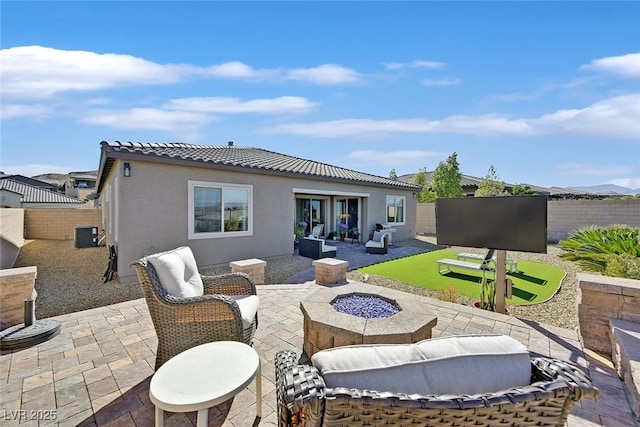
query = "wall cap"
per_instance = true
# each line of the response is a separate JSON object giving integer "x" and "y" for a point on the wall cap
{"x": 12, "y": 274}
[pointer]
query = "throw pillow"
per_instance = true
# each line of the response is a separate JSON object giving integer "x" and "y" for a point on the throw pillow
{"x": 377, "y": 236}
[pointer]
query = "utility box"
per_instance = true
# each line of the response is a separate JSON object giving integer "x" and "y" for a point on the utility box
{"x": 86, "y": 237}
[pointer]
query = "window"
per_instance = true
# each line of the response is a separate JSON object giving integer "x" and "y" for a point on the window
{"x": 395, "y": 209}
{"x": 220, "y": 210}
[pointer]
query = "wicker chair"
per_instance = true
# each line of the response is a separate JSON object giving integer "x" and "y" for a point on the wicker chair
{"x": 304, "y": 400}
{"x": 182, "y": 323}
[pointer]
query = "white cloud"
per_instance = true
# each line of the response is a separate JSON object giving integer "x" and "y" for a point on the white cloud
{"x": 397, "y": 158}
{"x": 238, "y": 70}
{"x": 36, "y": 72}
{"x": 283, "y": 104}
{"x": 482, "y": 125}
{"x": 624, "y": 65}
{"x": 327, "y": 74}
{"x": 441, "y": 82}
{"x": 616, "y": 117}
{"x": 593, "y": 169}
{"x": 613, "y": 117}
{"x": 149, "y": 118}
{"x": 432, "y": 65}
{"x": 14, "y": 111}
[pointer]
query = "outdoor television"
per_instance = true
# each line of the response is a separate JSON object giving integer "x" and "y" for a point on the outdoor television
{"x": 512, "y": 223}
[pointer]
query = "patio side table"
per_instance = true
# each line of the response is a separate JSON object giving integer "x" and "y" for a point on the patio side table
{"x": 205, "y": 376}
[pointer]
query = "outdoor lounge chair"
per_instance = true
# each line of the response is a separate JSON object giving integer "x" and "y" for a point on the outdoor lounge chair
{"x": 188, "y": 309}
{"x": 378, "y": 243}
{"x": 512, "y": 264}
{"x": 315, "y": 248}
{"x": 445, "y": 264}
{"x": 446, "y": 381}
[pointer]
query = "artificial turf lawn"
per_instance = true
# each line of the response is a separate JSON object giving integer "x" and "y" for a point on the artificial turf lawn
{"x": 533, "y": 283}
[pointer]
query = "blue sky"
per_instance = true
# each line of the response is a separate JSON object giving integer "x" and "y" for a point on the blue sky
{"x": 547, "y": 92}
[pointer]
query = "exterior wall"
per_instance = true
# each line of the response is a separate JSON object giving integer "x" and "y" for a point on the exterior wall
{"x": 58, "y": 224}
{"x": 79, "y": 193}
{"x": 563, "y": 216}
{"x": 152, "y": 212}
{"x": 603, "y": 298}
{"x": 11, "y": 235}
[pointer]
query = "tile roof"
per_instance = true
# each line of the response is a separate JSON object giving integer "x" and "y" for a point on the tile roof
{"x": 472, "y": 181}
{"x": 243, "y": 157}
{"x": 32, "y": 194}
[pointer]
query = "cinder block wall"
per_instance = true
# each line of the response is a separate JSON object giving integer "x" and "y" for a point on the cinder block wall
{"x": 603, "y": 298}
{"x": 563, "y": 216}
{"x": 11, "y": 235}
{"x": 59, "y": 224}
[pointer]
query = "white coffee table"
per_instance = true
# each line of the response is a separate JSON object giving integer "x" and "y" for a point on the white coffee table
{"x": 205, "y": 376}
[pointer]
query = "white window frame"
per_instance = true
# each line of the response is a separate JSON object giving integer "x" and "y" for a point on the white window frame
{"x": 404, "y": 209}
{"x": 192, "y": 235}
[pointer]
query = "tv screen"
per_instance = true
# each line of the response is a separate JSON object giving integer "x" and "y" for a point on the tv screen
{"x": 512, "y": 223}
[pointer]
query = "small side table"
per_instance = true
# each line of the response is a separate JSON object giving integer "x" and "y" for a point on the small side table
{"x": 205, "y": 376}
{"x": 355, "y": 237}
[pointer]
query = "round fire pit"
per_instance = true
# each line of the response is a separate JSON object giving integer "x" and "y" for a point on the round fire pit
{"x": 358, "y": 313}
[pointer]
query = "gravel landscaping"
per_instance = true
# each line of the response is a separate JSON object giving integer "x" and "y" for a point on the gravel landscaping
{"x": 70, "y": 280}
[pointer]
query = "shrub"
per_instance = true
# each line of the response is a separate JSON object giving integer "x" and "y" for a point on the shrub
{"x": 623, "y": 266}
{"x": 592, "y": 247}
{"x": 449, "y": 294}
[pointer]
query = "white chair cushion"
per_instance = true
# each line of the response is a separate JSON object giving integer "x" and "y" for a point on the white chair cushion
{"x": 327, "y": 248}
{"x": 374, "y": 244}
{"x": 248, "y": 305}
{"x": 178, "y": 272}
{"x": 377, "y": 236}
{"x": 449, "y": 365}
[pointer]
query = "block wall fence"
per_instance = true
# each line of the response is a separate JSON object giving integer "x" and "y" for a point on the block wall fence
{"x": 563, "y": 216}
{"x": 59, "y": 224}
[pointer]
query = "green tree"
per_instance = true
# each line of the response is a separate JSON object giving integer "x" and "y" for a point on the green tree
{"x": 522, "y": 190}
{"x": 490, "y": 185}
{"x": 392, "y": 175}
{"x": 445, "y": 181}
{"x": 426, "y": 194}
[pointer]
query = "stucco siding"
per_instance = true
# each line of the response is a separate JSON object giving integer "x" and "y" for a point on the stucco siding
{"x": 11, "y": 235}
{"x": 153, "y": 212}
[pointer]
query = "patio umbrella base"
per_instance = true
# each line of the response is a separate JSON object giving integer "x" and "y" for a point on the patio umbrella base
{"x": 21, "y": 336}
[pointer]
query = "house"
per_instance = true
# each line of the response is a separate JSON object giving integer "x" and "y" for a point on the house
{"x": 32, "y": 181}
{"x": 80, "y": 184}
{"x": 14, "y": 194}
{"x": 229, "y": 202}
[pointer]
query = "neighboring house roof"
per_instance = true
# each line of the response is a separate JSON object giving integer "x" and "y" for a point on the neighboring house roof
{"x": 30, "y": 181}
{"x": 234, "y": 157}
{"x": 32, "y": 194}
{"x": 471, "y": 182}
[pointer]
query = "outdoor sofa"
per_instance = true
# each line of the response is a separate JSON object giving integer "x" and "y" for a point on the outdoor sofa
{"x": 483, "y": 380}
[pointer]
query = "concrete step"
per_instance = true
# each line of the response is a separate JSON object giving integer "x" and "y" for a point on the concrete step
{"x": 625, "y": 345}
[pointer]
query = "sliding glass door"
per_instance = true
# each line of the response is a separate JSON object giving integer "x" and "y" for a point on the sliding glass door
{"x": 348, "y": 212}
{"x": 312, "y": 210}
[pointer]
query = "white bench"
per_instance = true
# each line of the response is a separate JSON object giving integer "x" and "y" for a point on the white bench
{"x": 512, "y": 264}
{"x": 445, "y": 264}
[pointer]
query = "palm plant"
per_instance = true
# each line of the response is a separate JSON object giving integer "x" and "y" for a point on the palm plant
{"x": 595, "y": 247}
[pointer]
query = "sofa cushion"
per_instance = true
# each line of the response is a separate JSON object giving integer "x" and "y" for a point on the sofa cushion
{"x": 178, "y": 272}
{"x": 468, "y": 364}
{"x": 248, "y": 305}
{"x": 377, "y": 236}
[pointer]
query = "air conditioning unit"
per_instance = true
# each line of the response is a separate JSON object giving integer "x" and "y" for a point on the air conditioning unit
{"x": 86, "y": 237}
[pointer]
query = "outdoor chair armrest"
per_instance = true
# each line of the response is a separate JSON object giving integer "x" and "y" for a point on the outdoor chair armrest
{"x": 549, "y": 369}
{"x": 229, "y": 284}
{"x": 300, "y": 392}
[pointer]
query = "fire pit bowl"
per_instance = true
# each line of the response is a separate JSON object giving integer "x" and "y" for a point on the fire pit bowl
{"x": 326, "y": 327}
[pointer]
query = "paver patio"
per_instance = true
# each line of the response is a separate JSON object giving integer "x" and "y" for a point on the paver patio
{"x": 97, "y": 371}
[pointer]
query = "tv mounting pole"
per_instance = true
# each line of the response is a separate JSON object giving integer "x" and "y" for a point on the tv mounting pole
{"x": 501, "y": 280}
